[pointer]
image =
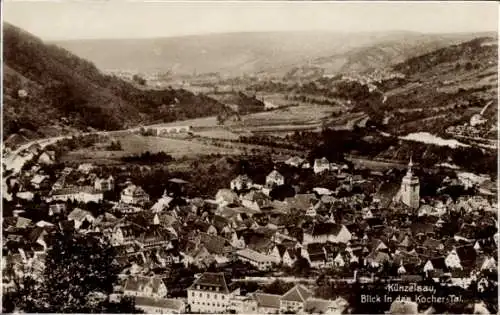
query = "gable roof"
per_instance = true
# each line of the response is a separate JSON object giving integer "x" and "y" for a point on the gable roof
{"x": 213, "y": 243}
{"x": 133, "y": 190}
{"x": 169, "y": 304}
{"x": 378, "y": 257}
{"x": 439, "y": 263}
{"x": 321, "y": 162}
{"x": 140, "y": 283}
{"x": 78, "y": 215}
{"x": 214, "y": 279}
{"x": 301, "y": 201}
{"x": 267, "y": 300}
{"x": 226, "y": 195}
{"x": 253, "y": 255}
{"x": 317, "y": 306}
{"x": 162, "y": 203}
{"x": 275, "y": 175}
{"x": 22, "y": 223}
{"x": 298, "y": 293}
{"x": 466, "y": 253}
{"x": 295, "y": 160}
{"x": 326, "y": 228}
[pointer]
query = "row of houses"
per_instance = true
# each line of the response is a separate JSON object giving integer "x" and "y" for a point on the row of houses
{"x": 211, "y": 294}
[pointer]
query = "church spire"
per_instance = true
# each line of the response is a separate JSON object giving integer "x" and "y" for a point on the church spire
{"x": 410, "y": 164}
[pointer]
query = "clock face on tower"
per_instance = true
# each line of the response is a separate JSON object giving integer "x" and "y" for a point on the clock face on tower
{"x": 410, "y": 188}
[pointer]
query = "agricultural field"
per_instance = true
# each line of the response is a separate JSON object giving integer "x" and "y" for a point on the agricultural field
{"x": 217, "y": 133}
{"x": 293, "y": 115}
{"x": 210, "y": 121}
{"x": 278, "y": 121}
{"x": 135, "y": 145}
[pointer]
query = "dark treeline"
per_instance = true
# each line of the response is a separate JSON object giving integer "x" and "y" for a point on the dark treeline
{"x": 148, "y": 158}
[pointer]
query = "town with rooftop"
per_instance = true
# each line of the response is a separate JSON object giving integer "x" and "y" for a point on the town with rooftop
{"x": 260, "y": 246}
{"x": 250, "y": 171}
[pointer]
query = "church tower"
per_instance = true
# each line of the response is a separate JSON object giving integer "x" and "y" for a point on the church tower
{"x": 410, "y": 189}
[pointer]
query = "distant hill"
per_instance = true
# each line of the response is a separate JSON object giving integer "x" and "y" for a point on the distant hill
{"x": 243, "y": 103}
{"x": 48, "y": 91}
{"x": 381, "y": 54}
{"x": 444, "y": 87}
{"x": 232, "y": 53}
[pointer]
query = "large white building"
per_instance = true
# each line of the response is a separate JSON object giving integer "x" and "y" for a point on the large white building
{"x": 84, "y": 194}
{"x": 133, "y": 194}
{"x": 259, "y": 260}
{"x": 209, "y": 294}
{"x": 104, "y": 184}
{"x": 141, "y": 286}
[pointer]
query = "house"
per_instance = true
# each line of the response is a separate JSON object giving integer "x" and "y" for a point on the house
{"x": 241, "y": 182}
{"x": 339, "y": 260}
{"x": 198, "y": 256}
{"x": 452, "y": 260}
{"x": 267, "y": 303}
{"x": 154, "y": 236}
{"x": 242, "y": 304}
{"x": 403, "y": 307}
{"x": 163, "y": 203}
{"x": 255, "y": 200}
{"x": 82, "y": 219}
{"x": 259, "y": 260}
{"x": 84, "y": 194}
{"x": 294, "y": 300}
{"x": 22, "y": 93}
{"x": 135, "y": 195}
{"x": 85, "y": 168}
{"x": 321, "y": 306}
{"x": 38, "y": 181}
{"x": 274, "y": 179}
{"x": 46, "y": 158}
{"x": 377, "y": 259}
{"x": 125, "y": 234}
{"x": 104, "y": 184}
{"x": 295, "y": 161}
{"x": 141, "y": 286}
{"x": 237, "y": 242}
{"x": 436, "y": 265}
{"x": 289, "y": 258}
{"x": 321, "y": 165}
{"x": 315, "y": 254}
{"x": 160, "y": 306}
{"x": 322, "y": 191}
{"x": 25, "y": 195}
{"x": 57, "y": 208}
{"x": 467, "y": 255}
{"x": 485, "y": 263}
{"x": 209, "y": 294}
{"x": 277, "y": 252}
{"x": 327, "y": 232}
{"x": 301, "y": 201}
{"x": 215, "y": 245}
{"x": 225, "y": 197}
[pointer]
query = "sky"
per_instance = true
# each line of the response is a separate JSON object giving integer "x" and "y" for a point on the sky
{"x": 57, "y": 20}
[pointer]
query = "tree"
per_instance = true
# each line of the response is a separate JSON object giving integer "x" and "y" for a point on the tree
{"x": 78, "y": 277}
{"x": 140, "y": 80}
{"x": 278, "y": 287}
{"x": 301, "y": 267}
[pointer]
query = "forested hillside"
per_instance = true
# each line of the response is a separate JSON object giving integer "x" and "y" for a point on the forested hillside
{"x": 48, "y": 90}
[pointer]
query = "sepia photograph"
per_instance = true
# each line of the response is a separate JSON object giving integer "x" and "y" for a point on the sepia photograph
{"x": 249, "y": 157}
